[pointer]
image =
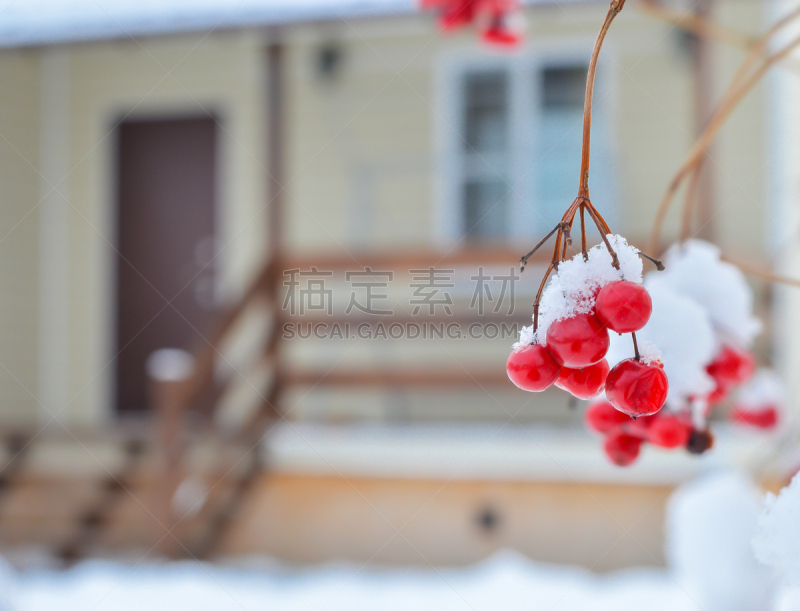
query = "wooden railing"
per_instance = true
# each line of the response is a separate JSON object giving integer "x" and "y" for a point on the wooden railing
{"x": 200, "y": 394}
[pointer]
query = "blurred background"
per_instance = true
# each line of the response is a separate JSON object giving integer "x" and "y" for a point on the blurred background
{"x": 194, "y": 197}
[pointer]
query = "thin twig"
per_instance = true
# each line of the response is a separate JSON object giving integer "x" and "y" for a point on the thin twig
{"x": 690, "y": 200}
{"x": 696, "y": 24}
{"x": 727, "y": 106}
{"x": 762, "y": 273}
{"x": 757, "y": 48}
{"x": 705, "y": 28}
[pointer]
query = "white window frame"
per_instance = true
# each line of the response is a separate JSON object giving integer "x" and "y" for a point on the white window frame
{"x": 523, "y": 94}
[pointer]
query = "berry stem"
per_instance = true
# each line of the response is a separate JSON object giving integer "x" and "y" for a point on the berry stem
{"x": 635, "y": 348}
{"x": 605, "y": 228}
{"x": 659, "y": 265}
{"x": 553, "y": 266}
{"x": 603, "y": 231}
{"x": 550, "y": 268}
{"x": 523, "y": 261}
{"x": 614, "y": 9}
{"x": 563, "y": 230}
{"x": 583, "y": 234}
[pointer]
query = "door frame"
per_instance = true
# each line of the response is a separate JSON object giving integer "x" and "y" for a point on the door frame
{"x": 98, "y": 91}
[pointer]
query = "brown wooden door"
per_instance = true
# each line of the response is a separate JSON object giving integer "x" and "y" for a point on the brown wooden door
{"x": 165, "y": 193}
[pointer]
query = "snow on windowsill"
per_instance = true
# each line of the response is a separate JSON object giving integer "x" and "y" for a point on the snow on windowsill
{"x": 488, "y": 451}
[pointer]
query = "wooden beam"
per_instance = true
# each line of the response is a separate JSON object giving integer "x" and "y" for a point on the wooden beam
{"x": 419, "y": 378}
{"x": 403, "y": 260}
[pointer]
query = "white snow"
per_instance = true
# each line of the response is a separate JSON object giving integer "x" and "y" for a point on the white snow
{"x": 573, "y": 289}
{"x": 31, "y": 22}
{"x": 169, "y": 365}
{"x": 650, "y": 353}
{"x": 777, "y": 540}
{"x": 526, "y": 338}
{"x": 765, "y": 389}
{"x": 506, "y": 581}
{"x": 710, "y": 524}
{"x": 694, "y": 269}
{"x": 41, "y": 22}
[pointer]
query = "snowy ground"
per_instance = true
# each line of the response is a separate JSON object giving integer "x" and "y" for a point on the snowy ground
{"x": 507, "y": 581}
{"x": 711, "y": 525}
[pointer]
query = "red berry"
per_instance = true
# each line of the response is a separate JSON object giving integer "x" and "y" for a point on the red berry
{"x": 584, "y": 383}
{"x": 454, "y": 16}
{"x": 532, "y": 368}
{"x": 624, "y": 306}
{"x": 499, "y": 34}
{"x": 731, "y": 366}
{"x": 602, "y": 417}
{"x": 636, "y": 388}
{"x": 668, "y": 431}
{"x": 764, "y": 418}
{"x": 622, "y": 449}
{"x": 577, "y": 342}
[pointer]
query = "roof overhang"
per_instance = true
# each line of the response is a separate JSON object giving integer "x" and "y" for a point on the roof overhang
{"x": 48, "y": 22}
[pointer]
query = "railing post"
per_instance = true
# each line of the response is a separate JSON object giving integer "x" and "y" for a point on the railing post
{"x": 169, "y": 373}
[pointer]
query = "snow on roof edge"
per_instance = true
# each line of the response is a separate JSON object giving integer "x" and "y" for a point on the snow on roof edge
{"x": 47, "y": 22}
{"x": 123, "y": 20}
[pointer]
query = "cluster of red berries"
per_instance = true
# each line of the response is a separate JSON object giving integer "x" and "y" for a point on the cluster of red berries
{"x": 624, "y": 436}
{"x": 573, "y": 355}
{"x": 493, "y": 18}
{"x": 731, "y": 368}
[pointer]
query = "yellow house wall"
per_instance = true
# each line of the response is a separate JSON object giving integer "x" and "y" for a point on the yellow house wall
{"x": 182, "y": 75}
{"x": 19, "y": 195}
{"x": 361, "y": 154}
{"x": 373, "y": 128}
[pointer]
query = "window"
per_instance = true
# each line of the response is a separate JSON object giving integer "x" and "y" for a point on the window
{"x": 485, "y": 155}
{"x": 559, "y": 142}
{"x": 511, "y": 132}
